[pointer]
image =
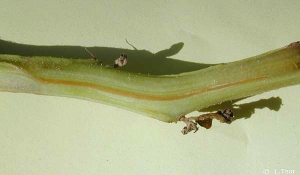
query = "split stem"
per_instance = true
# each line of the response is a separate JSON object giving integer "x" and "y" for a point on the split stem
{"x": 165, "y": 98}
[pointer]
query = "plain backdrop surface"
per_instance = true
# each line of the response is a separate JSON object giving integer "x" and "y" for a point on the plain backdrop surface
{"x": 56, "y": 135}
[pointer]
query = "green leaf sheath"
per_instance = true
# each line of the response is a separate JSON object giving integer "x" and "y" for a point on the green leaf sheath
{"x": 165, "y": 98}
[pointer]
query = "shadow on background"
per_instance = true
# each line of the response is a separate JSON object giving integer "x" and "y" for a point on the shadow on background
{"x": 246, "y": 110}
{"x": 139, "y": 61}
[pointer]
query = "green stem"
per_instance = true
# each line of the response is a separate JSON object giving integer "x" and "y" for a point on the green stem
{"x": 165, "y": 98}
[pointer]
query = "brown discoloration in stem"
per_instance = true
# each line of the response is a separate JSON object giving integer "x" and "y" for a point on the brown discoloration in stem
{"x": 144, "y": 96}
{"x": 298, "y": 64}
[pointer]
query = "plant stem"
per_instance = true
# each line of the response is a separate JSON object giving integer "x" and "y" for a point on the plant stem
{"x": 165, "y": 98}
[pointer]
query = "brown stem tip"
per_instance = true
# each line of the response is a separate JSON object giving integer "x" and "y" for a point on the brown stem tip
{"x": 205, "y": 120}
{"x": 294, "y": 45}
